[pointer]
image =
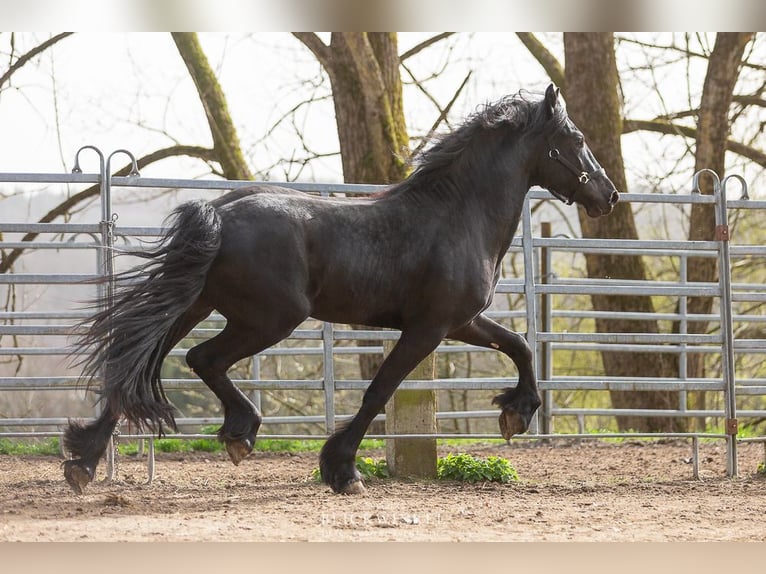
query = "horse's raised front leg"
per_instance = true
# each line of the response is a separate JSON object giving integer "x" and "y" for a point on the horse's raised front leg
{"x": 337, "y": 461}
{"x": 520, "y": 403}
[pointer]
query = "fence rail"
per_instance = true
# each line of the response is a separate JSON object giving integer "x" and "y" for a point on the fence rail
{"x": 539, "y": 292}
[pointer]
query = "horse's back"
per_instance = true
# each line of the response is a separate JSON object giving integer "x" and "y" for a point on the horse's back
{"x": 366, "y": 261}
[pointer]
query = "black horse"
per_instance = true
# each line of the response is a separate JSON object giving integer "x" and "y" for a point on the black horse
{"x": 423, "y": 257}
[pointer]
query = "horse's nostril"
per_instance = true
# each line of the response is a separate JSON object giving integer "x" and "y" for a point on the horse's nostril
{"x": 614, "y": 198}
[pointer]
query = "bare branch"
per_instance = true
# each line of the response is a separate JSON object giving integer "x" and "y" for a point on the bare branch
{"x": 65, "y": 207}
{"x": 545, "y": 58}
{"x": 25, "y": 58}
{"x": 419, "y": 86}
{"x": 442, "y": 116}
{"x": 425, "y": 44}
{"x": 665, "y": 127}
{"x": 686, "y": 52}
{"x": 317, "y": 47}
{"x": 289, "y": 114}
{"x": 750, "y": 101}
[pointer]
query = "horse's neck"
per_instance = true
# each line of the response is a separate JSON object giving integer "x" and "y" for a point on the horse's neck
{"x": 488, "y": 201}
{"x": 500, "y": 200}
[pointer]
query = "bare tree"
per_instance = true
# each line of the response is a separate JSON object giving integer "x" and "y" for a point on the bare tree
{"x": 363, "y": 69}
{"x": 592, "y": 89}
{"x": 593, "y": 102}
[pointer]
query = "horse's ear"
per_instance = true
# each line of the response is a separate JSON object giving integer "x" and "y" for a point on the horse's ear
{"x": 551, "y": 100}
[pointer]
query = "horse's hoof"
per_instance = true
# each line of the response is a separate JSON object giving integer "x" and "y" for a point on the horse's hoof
{"x": 238, "y": 450}
{"x": 511, "y": 423}
{"x": 77, "y": 475}
{"x": 353, "y": 487}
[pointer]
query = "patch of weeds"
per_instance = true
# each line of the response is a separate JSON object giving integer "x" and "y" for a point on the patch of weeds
{"x": 460, "y": 467}
{"x": 761, "y": 468}
{"x": 370, "y": 468}
{"x": 467, "y": 468}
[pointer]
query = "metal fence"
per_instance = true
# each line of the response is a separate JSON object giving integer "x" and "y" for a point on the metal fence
{"x": 548, "y": 302}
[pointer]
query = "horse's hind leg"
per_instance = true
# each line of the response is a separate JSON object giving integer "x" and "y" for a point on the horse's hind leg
{"x": 520, "y": 403}
{"x": 211, "y": 360}
{"x": 87, "y": 444}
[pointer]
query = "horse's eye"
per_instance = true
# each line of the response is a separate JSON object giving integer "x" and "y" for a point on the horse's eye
{"x": 579, "y": 141}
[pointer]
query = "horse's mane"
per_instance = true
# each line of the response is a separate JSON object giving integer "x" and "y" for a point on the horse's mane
{"x": 516, "y": 113}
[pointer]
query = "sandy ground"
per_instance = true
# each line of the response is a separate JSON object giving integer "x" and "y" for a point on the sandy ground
{"x": 589, "y": 491}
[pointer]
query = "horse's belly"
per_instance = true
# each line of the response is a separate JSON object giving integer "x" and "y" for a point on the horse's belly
{"x": 348, "y": 308}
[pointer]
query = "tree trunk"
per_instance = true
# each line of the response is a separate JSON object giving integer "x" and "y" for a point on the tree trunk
{"x": 363, "y": 68}
{"x": 593, "y": 103}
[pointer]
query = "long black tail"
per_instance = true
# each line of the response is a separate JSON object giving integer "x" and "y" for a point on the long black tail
{"x": 130, "y": 338}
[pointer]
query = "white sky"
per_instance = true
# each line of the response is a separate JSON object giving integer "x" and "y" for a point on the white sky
{"x": 97, "y": 88}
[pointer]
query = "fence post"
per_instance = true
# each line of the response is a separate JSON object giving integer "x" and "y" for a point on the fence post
{"x": 727, "y": 327}
{"x": 328, "y": 340}
{"x": 412, "y": 411}
{"x": 546, "y": 358}
{"x": 105, "y": 266}
{"x": 530, "y": 294}
{"x": 328, "y": 366}
{"x": 727, "y": 334}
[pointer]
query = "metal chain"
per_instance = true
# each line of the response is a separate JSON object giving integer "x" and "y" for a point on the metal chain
{"x": 116, "y": 450}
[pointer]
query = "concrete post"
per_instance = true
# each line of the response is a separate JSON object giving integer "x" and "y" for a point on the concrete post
{"x": 412, "y": 412}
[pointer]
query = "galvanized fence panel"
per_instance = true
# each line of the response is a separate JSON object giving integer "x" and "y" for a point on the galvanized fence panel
{"x": 543, "y": 300}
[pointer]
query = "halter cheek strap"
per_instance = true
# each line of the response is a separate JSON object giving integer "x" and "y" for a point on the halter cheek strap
{"x": 582, "y": 176}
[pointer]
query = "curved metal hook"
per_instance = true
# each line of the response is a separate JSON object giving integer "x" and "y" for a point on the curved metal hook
{"x": 742, "y": 183}
{"x": 134, "y": 165}
{"x": 712, "y": 174}
{"x": 76, "y": 168}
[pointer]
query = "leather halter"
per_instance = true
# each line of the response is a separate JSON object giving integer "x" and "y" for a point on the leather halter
{"x": 582, "y": 176}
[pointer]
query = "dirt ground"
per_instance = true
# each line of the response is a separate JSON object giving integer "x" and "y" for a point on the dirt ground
{"x": 588, "y": 491}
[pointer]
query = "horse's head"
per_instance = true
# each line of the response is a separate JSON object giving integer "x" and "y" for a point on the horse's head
{"x": 566, "y": 167}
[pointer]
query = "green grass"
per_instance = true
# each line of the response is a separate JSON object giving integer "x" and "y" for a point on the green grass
{"x": 750, "y": 431}
{"x": 212, "y": 444}
{"x": 370, "y": 468}
{"x": 48, "y": 446}
{"x": 463, "y": 442}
